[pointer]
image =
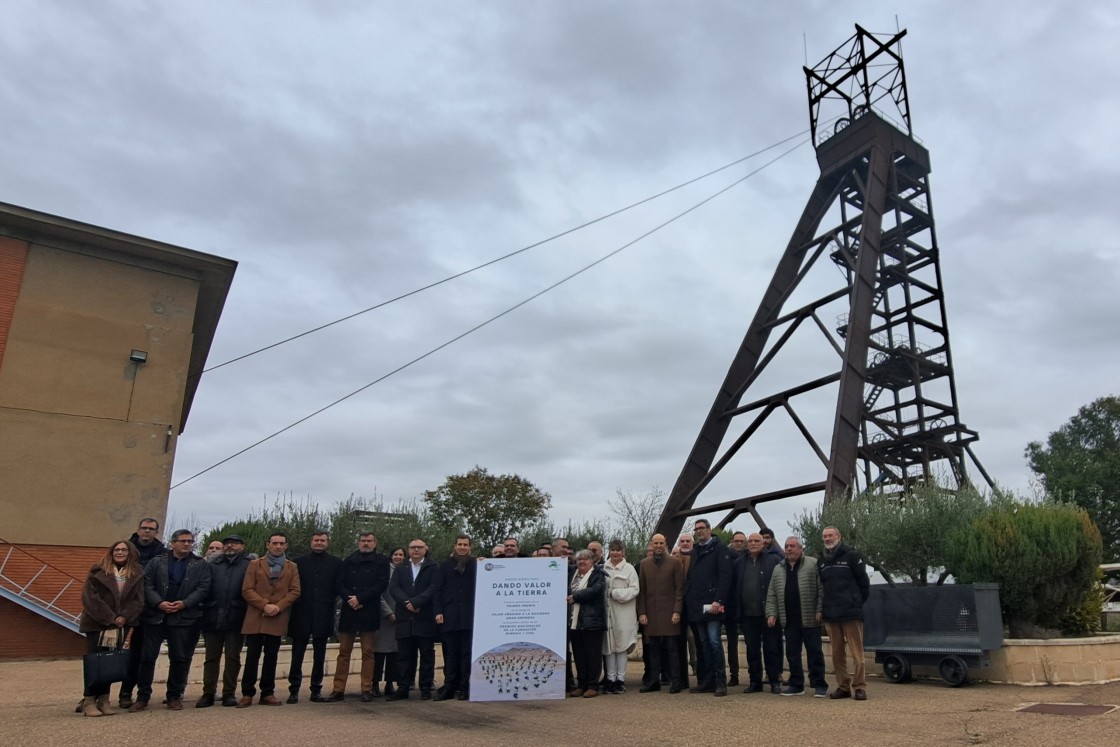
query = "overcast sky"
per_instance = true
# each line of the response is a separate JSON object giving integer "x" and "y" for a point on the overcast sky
{"x": 345, "y": 153}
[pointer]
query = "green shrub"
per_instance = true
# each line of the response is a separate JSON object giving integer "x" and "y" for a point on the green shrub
{"x": 1043, "y": 556}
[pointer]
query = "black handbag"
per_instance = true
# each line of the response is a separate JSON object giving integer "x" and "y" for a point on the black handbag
{"x": 108, "y": 664}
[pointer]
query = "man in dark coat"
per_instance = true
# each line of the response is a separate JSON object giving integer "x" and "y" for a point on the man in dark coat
{"x": 660, "y": 599}
{"x": 313, "y": 615}
{"x": 361, "y": 580}
{"x": 793, "y": 604}
{"x": 846, "y": 587}
{"x": 175, "y": 587}
{"x": 148, "y": 547}
{"x": 413, "y": 589}
{"x": 222, "y": 619}
{"x": 753, "y": 571}
{"x": 454, "y": 608}
{"x": 707, "y": 592}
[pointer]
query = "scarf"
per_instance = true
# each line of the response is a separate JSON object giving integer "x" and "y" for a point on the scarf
{"x": 275, "y": 565}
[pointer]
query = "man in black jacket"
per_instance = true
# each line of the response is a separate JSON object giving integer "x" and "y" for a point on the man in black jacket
{"x": 148, "y": 546}
{"x": 361, "y": 581}
{"x": 846, "y": 587}
{"x": 222, "y": 618}
{"x": 175, "y": 587}
{"x": 454, "y": 608}
{"x": 764, "y": 643}
{"x": 313, "y": 615}
{"x": 707, "y": 591}
{"x": 413, "y": 588}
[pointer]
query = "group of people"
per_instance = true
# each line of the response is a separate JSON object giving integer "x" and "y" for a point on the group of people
{"x": 396, "y": 605}
{"x": 685, "y": 598}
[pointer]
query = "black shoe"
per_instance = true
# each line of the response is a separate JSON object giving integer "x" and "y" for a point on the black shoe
{"x": 317, "y": 698}
{"x": 792, "y": 690}
{"x": 375, "y": 692}
{"x": 335, "y": 698}
{"x": 292, "y": 699}
{"x": 399, "y": 694}
{"x": 366, "y": 697}
{"x": 442, "y": 694}
{"x": 674, "y": 689}
{"x": 462, "y": 695}
{"x": 754, "y": 687}
{"x": 204, "y": 702}
{"x": 425, "y": 694}
{"x": 389, "y": 689}
{"x": 721, "y": 690}
{"x": 229, "y": 701}
{"x": 775, "y": 688}
{"x": 702, "y": 689}
{"x": 733, "y": 680}
{"x": 619, "y": 687}
{"x": 125, "y": 702}
{"x": 649, "y": 688}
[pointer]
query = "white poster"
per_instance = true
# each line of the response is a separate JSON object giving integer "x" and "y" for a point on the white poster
{"x": 520, "y": 640}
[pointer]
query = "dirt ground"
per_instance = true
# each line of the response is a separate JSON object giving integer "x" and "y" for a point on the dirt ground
{"x": 37, "y": 701}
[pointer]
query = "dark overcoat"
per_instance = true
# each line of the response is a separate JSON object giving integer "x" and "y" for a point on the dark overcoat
{"x": 365, "y": 576}
{"x": 313, "y": 612}
{"x": 225, "y": 607}
{"x": 421, "y": 592}
{"x": 709, "y": 580}
{"x": 455, "y": 600}
{"x": 592, "y": 601}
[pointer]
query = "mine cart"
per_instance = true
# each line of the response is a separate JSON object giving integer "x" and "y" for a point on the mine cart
{"x": 951, "y": 627}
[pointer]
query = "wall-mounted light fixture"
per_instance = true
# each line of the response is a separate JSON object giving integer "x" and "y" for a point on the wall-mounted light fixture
{"x": 138, "y": 356}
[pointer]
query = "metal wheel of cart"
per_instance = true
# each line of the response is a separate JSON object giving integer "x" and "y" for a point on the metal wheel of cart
{"x": 953, "y": 670}
{"x": 896, "y": 668}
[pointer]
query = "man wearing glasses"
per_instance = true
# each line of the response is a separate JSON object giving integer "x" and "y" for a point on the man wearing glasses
{"x": 148, "y": 546}
{"x": 175, "y": 587}
{"x": 413, "y": 588}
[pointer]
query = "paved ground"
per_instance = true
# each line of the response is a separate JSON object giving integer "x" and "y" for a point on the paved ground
{"x": 37, "y": 701}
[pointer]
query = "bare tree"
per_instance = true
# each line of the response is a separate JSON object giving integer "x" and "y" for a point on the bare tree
{"x": 636, "y": 515}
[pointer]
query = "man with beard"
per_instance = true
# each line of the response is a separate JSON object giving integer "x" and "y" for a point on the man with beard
{"x": 221, "y": 623}
{"x": 454, "y": 608}
{"x": 706, "y": 593}
{"x": 313, "y": 615}
{"x": 364, "y": 576}
{"x": 846, "y": 587}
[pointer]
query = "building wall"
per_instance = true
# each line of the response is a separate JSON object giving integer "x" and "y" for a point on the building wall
{"x": 86, "y": 434}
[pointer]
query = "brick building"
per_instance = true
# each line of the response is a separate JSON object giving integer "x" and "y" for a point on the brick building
{"x": 103, "y": 338}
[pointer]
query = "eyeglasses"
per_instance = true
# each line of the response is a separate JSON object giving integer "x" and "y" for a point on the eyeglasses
{"x": 185, "y": 542}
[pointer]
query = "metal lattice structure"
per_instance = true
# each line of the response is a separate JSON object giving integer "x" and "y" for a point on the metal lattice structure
{"x": 896, "y": 419}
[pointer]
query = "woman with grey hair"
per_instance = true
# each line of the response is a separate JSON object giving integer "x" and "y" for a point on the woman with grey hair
{"x": 587, "y": 621}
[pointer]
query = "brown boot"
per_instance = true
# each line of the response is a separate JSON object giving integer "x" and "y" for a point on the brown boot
{"x": 106, "y": 706}
{"x": 89, "y": 707}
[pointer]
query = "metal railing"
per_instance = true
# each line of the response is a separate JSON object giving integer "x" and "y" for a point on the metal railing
{"x": 37, "y": 585}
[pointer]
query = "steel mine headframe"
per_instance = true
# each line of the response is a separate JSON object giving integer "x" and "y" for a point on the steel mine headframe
{"x": 896, "y": 422}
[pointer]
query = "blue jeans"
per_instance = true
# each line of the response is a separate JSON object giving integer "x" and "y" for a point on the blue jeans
{"x": 709, "y": 653}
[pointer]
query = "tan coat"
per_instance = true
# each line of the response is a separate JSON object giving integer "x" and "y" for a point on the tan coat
{"x": 661, "y": 594}
{"x": 259, "y": 590}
